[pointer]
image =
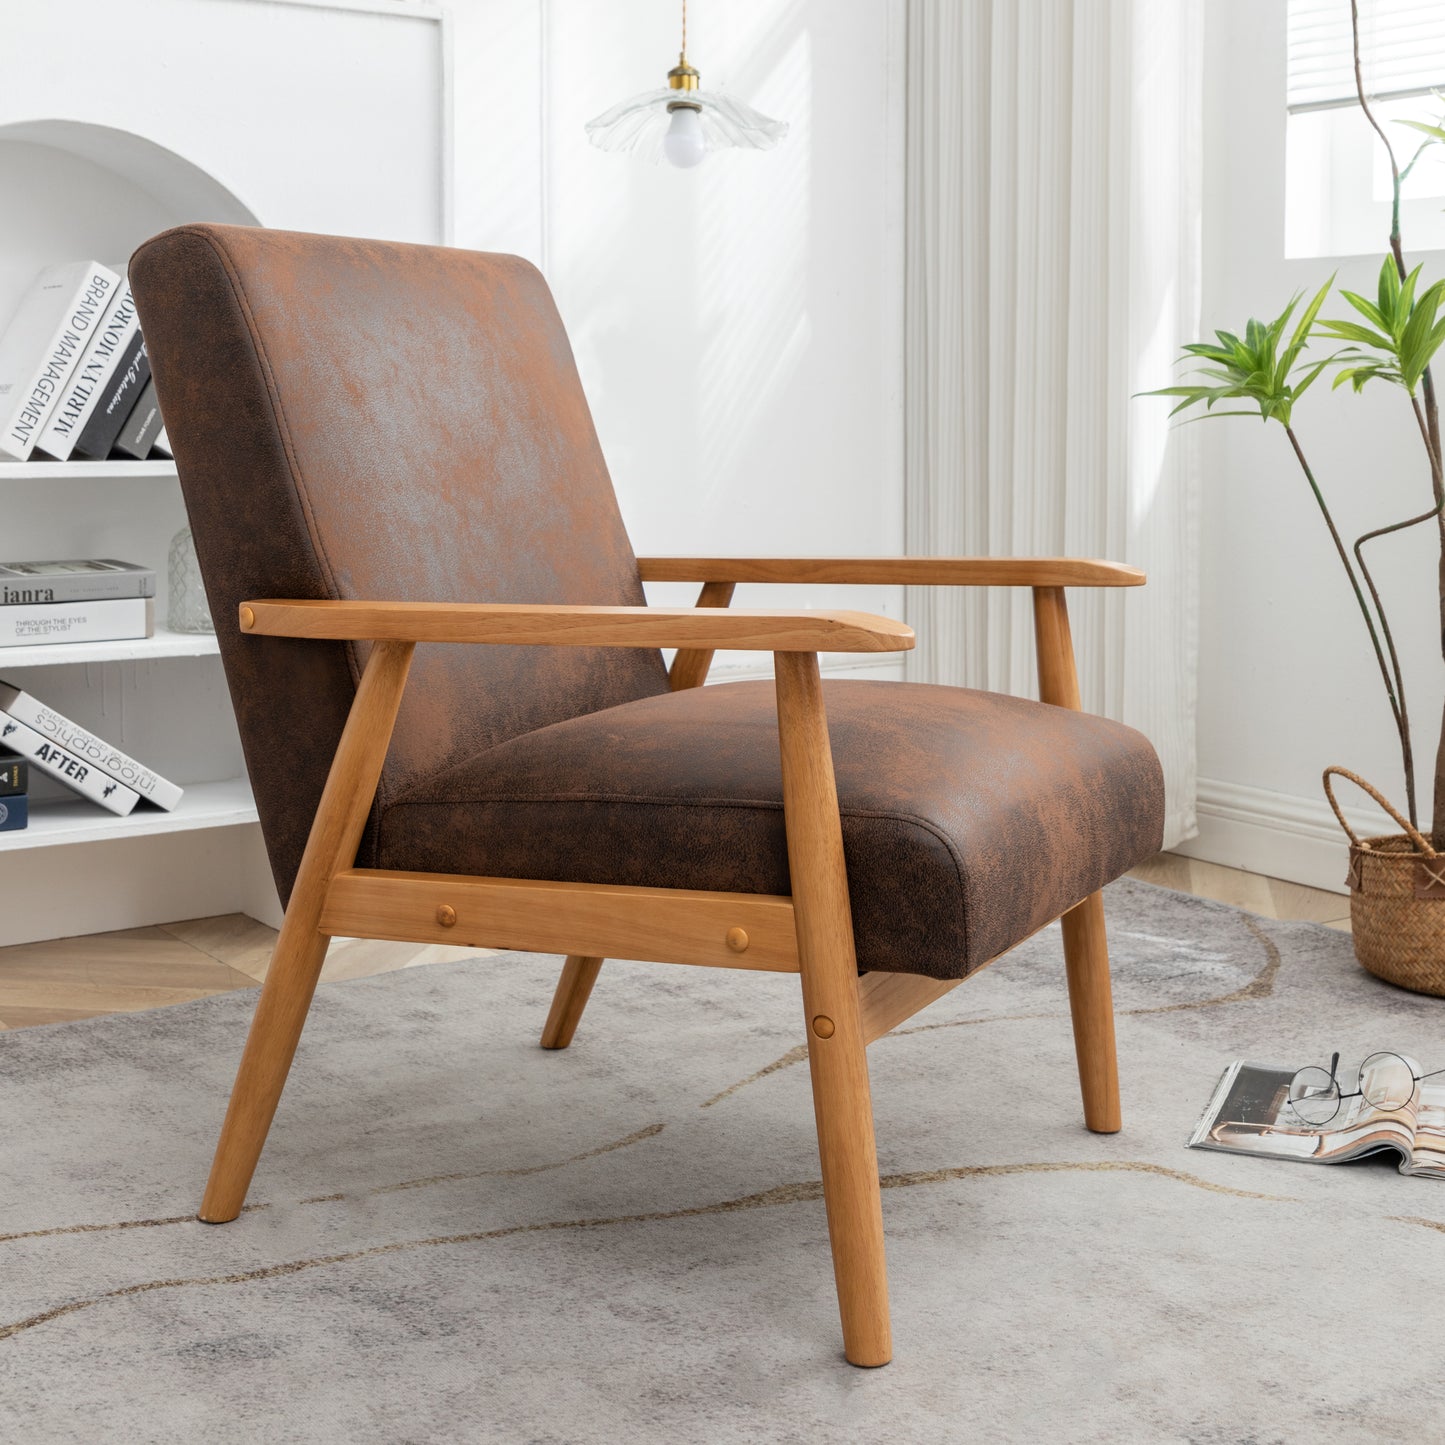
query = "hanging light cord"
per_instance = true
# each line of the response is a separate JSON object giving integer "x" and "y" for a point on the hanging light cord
{"x": 683, "y": 54}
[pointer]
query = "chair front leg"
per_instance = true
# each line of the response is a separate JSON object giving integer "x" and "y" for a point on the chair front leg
{"x": 837, "y": 1054}
{"x": 301, "y": 946}
{"x": 1086, "y": 948}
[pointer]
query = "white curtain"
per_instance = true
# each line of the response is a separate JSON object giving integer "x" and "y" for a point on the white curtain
{"x": 1053, "y": 270}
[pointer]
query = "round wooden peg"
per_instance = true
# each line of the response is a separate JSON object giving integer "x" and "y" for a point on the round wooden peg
{"x": 446, "y": 915}
{"x": 823, "y": 1026}
{"x": 737, "y": 940}
{"x": 248, "y": 619}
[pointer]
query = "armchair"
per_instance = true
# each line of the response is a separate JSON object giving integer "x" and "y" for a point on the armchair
{"x": 498, "y": 757}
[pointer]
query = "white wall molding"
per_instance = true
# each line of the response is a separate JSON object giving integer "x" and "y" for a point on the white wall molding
{"x": 1277, "y": 834}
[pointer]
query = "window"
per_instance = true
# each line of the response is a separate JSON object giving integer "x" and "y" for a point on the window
{"x": 1337, "y": 177}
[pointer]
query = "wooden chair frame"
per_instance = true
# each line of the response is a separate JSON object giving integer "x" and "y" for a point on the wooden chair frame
{"x": 809, "y": 933}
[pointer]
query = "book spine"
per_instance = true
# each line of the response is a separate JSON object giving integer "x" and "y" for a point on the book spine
{"x": 107, "y": 345}
{"x": 14, "y": 776}
{"x": 75, "y": 739}
{"x": 142, "y": 426}
{"x": 73, "y": 299}
{"x": 78, "y": 587}
{"x": 14, "y": 813}
{"x": 109, "y": 621}
{"x": 78, "y": 776}
{"x": 119, "y": 394}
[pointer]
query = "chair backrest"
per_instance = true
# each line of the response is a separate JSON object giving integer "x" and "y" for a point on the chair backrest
{"x": 364, "y": 419}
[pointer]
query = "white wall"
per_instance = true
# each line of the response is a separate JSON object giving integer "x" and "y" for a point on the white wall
{"x": 737, "y": 326}
{"x": 1287, "y": 681}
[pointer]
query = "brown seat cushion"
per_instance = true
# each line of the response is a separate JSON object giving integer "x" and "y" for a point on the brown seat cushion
{"x": 969, "y": 819}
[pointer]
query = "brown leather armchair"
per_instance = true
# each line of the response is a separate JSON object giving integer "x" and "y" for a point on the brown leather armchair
{"x": 393, "y": 439}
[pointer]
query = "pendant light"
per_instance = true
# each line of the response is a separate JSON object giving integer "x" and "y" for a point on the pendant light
{"x": 681, "y": 121}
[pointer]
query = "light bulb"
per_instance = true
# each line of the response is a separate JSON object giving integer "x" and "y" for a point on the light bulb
{"x": 683, "y": 144}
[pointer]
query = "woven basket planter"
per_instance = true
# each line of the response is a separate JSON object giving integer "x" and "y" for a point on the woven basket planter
{"x": 1397, "y": 899}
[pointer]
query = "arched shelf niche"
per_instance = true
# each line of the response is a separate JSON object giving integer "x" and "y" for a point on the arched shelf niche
{"x": 94, "y": 191}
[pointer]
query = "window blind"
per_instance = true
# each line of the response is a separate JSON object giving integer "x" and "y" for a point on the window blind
{"x": 1402, "y": 47}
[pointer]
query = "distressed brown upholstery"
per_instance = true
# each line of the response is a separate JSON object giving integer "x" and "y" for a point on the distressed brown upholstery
{"x": 357, "y": 419}
{"x": 969, "y": 819}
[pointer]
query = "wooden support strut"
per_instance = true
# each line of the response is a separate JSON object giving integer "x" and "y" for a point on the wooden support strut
{"x": 301, "y": 946}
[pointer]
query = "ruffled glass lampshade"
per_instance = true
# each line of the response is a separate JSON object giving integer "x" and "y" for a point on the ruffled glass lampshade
{"x": 646, "y": 124}
{"x": 681, "y": 123}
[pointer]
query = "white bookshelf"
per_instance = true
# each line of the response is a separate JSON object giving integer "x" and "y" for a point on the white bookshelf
{"x": 162, "y": 699}
{"x": 224, "y": 804}
{"x": 82, "y": 471}
{"x": 165, "y": 644}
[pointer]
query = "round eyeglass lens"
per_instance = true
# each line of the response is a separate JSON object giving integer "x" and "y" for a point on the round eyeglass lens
{"x": 1314, "y": 1096}
{"x": 1387, "y": 1081}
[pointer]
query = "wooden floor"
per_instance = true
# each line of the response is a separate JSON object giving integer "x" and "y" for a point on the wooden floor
{"x": 140, "y": 968}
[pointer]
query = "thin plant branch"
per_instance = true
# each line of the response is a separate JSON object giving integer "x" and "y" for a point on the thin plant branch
{"x": 1430, "y": 422}
{"x": 1401, "y": 722}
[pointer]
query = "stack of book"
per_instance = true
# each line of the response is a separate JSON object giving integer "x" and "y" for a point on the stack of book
{"x": 94, "y": 599}
{"x": 75, "y": 379}
{"x": 75, "y": 757}
{"x": 14, "y": 792}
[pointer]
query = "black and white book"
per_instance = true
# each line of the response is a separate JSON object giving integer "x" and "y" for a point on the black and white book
{"x": 142, "y": 426}
{"x": 116, "y": 620}
{"x": 14, "y": 775}
{"x": 43, "y": 345}
{"x": 108, "y": 344}
{"x": 163, "y": 444}
{"x": 14, "y": 813}
{"x": 118, "y": 396}
{"x": 80, "y": 579}
{"x": 77, "y": 775}
{"x": 82, "y": 743}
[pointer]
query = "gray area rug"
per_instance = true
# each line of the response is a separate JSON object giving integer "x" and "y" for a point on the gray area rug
{"x": 455, "y": 1236}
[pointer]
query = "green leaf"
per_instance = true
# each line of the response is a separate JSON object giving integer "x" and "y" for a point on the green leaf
{"x": 1351, "y": 331}
{"x": 1389, "y": 288}
{"x": 1309, "y": 377}
{"x": 1258, "y": 369}
{"x": 1302, "y": 331}
{"x": 1367, "y": 309}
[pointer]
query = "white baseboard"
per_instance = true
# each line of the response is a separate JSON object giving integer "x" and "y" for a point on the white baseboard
{"x": 1277, "y": 834}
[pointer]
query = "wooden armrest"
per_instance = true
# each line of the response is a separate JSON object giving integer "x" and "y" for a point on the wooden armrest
{"x": 888, "y": 571}
{"x": 565, "y": 626}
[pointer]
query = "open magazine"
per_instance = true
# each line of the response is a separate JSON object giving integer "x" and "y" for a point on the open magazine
{"x": 1250, "y": 1113}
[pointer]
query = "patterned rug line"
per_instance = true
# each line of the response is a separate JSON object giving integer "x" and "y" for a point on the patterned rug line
{"x": 805, "y": 1192}
{"x": 649, "y": 1131}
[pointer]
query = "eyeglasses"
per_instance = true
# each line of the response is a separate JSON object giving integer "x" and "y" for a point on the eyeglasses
{"x": 1387, "y": 1081}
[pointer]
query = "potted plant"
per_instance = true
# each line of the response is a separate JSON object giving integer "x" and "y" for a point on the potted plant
{"x": 1397, "y": 882}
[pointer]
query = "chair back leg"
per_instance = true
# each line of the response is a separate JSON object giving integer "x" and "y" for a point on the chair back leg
{"x": 689, "y": 669}
{"x": 1086, "y": 951}
{"x": 574, "y": 988}
{"x": 1086, "y": 959}
{"x": 837, "y": 1055}
{"x": 301, "y": 947}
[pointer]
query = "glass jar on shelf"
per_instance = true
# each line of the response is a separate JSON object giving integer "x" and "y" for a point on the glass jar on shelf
{"x": 189, "y": 610}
